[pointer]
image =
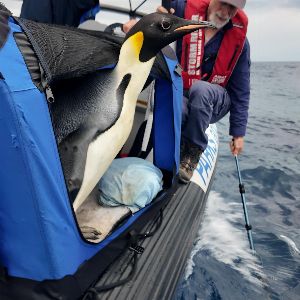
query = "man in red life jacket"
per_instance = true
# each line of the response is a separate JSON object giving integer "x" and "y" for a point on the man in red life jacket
{"x": 216, "y": 76}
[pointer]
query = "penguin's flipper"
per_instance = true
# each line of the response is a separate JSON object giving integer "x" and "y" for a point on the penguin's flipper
{"x": 80, "y": 99}
{"x": 73, "y": 154}
{"x": 90, "y": 233}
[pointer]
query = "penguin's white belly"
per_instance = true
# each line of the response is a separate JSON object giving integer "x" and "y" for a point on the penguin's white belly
{"x": 102, "y": 151}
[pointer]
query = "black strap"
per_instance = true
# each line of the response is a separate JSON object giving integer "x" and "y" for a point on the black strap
{"x": 94, "y": 291}
{"x": 158, "y": 223}
{"x": 136, "y": 249}
{"x": 3, "y": 274}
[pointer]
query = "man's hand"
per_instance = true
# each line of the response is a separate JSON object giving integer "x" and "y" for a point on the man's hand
{"x": 127, "y": 26}
{"x": 161, "y": 9}
{"x": 237, "y": 145}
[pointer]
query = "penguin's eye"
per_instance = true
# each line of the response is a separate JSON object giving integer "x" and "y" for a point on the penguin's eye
{"x": 165, "y": 25}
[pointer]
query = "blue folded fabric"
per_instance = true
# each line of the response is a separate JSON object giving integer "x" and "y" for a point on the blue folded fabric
{"x": 130, "y": 181}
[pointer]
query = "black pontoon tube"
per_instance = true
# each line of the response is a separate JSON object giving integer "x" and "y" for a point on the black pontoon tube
{"x": 242, "y": 191}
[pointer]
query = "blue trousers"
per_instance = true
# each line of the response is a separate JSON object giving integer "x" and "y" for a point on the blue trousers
{"x": 206, "y": 104}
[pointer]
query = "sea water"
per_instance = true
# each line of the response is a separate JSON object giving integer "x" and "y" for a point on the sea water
{"x": 221, "y": 265}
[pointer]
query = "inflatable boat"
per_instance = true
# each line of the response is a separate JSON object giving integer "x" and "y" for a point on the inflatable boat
{"x": 43, "y": 252}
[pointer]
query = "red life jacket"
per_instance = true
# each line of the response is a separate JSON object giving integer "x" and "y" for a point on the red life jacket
{"x": 193, "y": 46}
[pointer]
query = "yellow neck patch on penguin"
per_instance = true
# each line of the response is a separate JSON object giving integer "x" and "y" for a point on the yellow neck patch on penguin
{"x": 137, "y": 42}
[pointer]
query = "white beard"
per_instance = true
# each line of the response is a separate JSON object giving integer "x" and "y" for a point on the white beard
{"x": 214, "y": 19}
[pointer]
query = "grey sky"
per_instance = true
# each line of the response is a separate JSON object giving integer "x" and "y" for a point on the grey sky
{"x": 274, "y": 26}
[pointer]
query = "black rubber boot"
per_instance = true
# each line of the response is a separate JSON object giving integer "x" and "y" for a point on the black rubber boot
{"x": 189, "y": 158}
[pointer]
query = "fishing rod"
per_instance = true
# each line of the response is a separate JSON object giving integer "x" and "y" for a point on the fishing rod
{"x": 242, "y": 191}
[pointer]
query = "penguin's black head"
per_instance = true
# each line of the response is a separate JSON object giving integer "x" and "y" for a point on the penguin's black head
{"x": 155, "y": 31}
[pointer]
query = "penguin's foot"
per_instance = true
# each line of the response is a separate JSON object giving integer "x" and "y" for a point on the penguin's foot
{"x": 90, "y": 233}
{"x": 97, "y": 221}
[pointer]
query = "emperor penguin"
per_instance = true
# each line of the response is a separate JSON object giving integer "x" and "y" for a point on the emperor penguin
{"x": 89, "y": 146}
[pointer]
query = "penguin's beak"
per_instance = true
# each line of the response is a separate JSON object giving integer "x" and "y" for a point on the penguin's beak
{"x": 192, "y": 26}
